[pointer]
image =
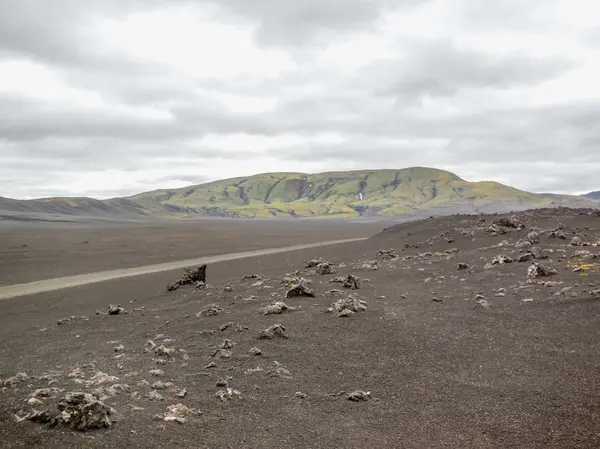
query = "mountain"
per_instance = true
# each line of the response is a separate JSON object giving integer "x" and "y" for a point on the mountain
{"x": 593, "y": 195}
{"x": 367, "y": 193}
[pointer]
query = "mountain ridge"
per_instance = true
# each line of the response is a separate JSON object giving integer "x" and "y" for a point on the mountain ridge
{"x": 595, "y": 195}
{"x": 332, "y": 194}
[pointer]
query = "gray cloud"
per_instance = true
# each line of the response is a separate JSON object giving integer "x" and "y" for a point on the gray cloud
{"x": 430, "y": 101}
{"x": 311, "y": 21}
{"x": 436, "y": 68}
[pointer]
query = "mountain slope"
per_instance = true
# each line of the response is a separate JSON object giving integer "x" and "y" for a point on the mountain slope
{"x": 413, "y": 190}
{"x": 593, "y": 195}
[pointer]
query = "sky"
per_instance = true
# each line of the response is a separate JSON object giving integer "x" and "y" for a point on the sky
{"x": 107, "y": 98}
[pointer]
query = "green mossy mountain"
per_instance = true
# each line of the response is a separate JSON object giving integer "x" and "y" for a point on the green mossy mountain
{"x": 344, "y": 194}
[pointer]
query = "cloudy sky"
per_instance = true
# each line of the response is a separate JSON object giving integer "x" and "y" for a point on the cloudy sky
{"x": 111, "y": 97}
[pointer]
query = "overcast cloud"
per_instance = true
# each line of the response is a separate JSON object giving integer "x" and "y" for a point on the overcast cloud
{"x": 112, "y": 97}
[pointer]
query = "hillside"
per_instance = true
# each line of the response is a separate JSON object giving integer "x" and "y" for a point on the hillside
{"x": 366, "y": 193}
{"x": 593, "y": 195}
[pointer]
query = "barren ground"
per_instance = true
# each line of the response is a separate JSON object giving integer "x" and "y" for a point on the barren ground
{"x": 516, "y": 366}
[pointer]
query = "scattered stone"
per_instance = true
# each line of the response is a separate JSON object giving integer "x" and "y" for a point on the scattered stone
{"x": 583, "y": 254}
{"x": 292, "y": 278}
{"x": 15, "y": 380}
{"x": 228, "y": 289}
{"x": 462, "y": 266}
{"x": 386, "y": 254}
{"x": 359, "y": 396}
{"x": 83, "y": 411}
{"x": 501, "y": 260}
{"x": 211, "y": 365}
{"x": 352, "y": 282}
{"x": 200, "y": 286}
{"x": 178, "y": 413}
{"x": 76, "y": 373}
{"x": 368, "y": 265}
{"x": 558, "y": 235}
{"x": 115, "y": 309}
{"x": 181, "y": 393}
{"x": 160, "y": 385}
{"x": 346, "y": 313}
{"x": 34, "y": 401}
{"x": 222, "y": 382}
{"x": 228, "y": 394}
{"x": 351, "y": 303}
{"x": 484, "y": 304}
{"x": 509, "y": 222}
{"x": 227, "y": 344}
{"x": 255, "y": 351}
{"x": 299, "y": 290}
{"x": 235, "y": 326}
{"x": 275, "y": 308}
{"x": 495, "y": 230}
{"x": 44, "y": 392}
{"x": 523, "y": 245}
{"x": 119, "y": 348}
{"x": 533, "y": 237}
{"x": 576, "y": 241}
{"x": 212, "y": 310}
{"x": 156, "y": 372}
{"x": 324, "y": 268}
{"x": 313, "y": 263}
{"x": 525, "y": 257}
{"x": 538, "y": 270}
{"x": 251, "y": 276}
{"x": 300, "y": 395}
{"x": 335, "y": 291}
{"x": 538, "y": 253}
{"x": 163, "y": 351}
{"x": 154, "y": 395}
{"x": 276, "y": 330}
{"x": 100, "y": 378}
{"x": 222, "y": 353}
{"x": 190, "y": 276}
{"x": 277, "y": 370}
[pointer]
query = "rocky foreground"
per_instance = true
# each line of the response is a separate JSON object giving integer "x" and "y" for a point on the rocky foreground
{"x": 449, "y": 332}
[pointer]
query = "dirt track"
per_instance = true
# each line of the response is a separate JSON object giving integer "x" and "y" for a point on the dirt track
{"x": 40, "y": 251}
{"x": 443, "y": 370}
{"x": 48, "y": 285}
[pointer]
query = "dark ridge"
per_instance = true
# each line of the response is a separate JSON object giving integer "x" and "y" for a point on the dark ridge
{"x": 243, "y": 195}
{"x": 396, "y": 182}
{"x": 270, "y": 189}
{"x": 188, "y": 192}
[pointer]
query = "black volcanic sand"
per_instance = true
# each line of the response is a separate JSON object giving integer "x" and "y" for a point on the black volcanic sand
{"x": 441, "y": 373}
{"x": 44, "y": 250}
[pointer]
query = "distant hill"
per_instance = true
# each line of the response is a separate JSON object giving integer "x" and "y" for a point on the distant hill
{"x": 593, "y": 195}
{"x": 366, "y": 193}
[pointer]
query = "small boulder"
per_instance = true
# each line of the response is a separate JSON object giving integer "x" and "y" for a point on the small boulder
{"x": 298, "y": 290}
{"x": 115, "y": 309}
{"x": 359, "y": 396}
{"x": 537, "y": 270}
{"x": 276, "y": 330}
{"x": 275, "y": 308}
{"x": 324, "y": 268}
